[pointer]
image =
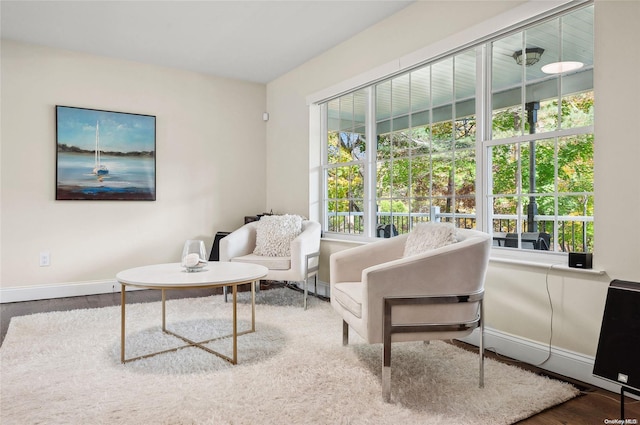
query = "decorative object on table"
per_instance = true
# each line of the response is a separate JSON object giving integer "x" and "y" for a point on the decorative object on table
{"x": 405, "y": 289}
{"x": 103, "y": 155}
{"x": 194, "y": 255}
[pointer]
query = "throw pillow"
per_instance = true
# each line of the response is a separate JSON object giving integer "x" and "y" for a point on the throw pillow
{"x": 274, "y": 234}
{"x": 427, "y": 236}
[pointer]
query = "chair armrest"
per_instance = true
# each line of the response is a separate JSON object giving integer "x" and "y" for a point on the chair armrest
{"x": 305, "y": 244}
{"x": 239, "y": 242}
{"x": 348, "y": 265}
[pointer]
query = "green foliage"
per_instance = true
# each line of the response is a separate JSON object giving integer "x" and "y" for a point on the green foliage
{"x": 438, "y": 162}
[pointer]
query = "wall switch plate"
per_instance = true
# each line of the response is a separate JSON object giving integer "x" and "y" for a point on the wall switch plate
{"x": 45, "y": 259}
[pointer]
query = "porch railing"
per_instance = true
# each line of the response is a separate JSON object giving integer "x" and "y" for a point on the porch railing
{"x": 574, "y": 233}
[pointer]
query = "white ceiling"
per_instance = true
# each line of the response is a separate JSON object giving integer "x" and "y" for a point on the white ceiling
{"x": 255, "y": 41}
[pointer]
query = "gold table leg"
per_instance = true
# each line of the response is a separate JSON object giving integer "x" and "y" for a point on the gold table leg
{"x": 123, "y": 302}
{"x": 190, "y": 343}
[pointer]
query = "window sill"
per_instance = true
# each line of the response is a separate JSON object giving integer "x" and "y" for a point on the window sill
{"x": 527, "y": 258}
{"x": 548, "y": 265}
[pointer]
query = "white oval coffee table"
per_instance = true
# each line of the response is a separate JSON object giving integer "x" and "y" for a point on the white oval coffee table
{"x": 174, "y": 276}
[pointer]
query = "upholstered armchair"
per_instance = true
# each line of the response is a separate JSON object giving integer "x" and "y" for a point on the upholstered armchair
{"x": 388, "y": 291}
{"x": 290, "y": 253}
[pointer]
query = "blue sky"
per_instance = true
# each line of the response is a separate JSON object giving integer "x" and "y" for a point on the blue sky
{"x": 119, "y": 132}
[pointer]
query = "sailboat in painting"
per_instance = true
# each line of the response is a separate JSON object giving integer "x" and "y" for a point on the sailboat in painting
{"x": 99, "y": 169}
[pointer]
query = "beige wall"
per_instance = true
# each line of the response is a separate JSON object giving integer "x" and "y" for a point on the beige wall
{"x": 517, "y": 301}
{"x": 210, "y": 148}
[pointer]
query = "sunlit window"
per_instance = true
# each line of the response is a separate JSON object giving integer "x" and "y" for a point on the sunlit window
{"x": 437, "y": 144}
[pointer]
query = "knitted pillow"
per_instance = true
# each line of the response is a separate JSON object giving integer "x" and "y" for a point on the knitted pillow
{"x": 274, "y": 234}
{"x": 427, "y": 236}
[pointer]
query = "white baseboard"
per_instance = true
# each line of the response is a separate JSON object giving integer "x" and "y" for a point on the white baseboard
{"x": 44, "y": 292}
{"x": 76, "y": 289}
{"x": 563, "y": 362}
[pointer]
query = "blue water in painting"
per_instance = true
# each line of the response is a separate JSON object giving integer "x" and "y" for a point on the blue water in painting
{"x": 125, "y": 173}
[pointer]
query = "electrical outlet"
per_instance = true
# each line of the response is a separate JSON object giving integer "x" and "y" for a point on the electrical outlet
{"x": 45, "y": 259}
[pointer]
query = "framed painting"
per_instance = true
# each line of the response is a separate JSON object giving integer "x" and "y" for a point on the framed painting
{"x": 104, "y": 155}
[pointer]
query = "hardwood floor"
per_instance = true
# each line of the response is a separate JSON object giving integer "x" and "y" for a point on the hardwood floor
{"x": 595, "y": 406}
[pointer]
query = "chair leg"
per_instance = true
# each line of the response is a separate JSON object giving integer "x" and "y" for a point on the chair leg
{"x": 386, "y": 372}
{"x": 386, "y": 353}
{"x": 304, "y": 300}
{"x": 345, "y": 333}
{"x": 224, "y": 291}
{"x": 481, "y": 345}
{"x": 386, "y": 384}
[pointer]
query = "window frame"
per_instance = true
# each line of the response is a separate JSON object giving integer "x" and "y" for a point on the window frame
{"x": 482, "y": 145}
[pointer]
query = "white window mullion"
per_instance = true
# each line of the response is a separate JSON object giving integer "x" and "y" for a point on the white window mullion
{"x": 324, "y": 131}
{"x": 483, "y": 123}
{"x": 370, "y": 171}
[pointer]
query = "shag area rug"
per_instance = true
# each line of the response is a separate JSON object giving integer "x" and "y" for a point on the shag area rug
{"x": 64, "y": 368}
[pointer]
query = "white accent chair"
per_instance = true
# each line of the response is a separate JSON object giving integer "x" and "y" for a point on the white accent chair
{"x": 302, "y": 264}
{"x": 386, "y": 297}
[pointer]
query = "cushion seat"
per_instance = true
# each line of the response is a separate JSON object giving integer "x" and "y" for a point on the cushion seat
{"x": 272, "y": 263}
{"x": 349, "y": 296}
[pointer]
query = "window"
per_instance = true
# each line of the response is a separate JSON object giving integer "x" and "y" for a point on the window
{"x": 482, "y": 138}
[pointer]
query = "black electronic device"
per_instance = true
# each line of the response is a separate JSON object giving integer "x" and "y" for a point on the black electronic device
{"x": 581, "y": 260}
{"x": 618, "y": 353}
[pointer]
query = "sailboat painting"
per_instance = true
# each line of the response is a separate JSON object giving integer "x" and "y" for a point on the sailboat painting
{"x": 99, "y": 169}
{"x": 105, "y": 155}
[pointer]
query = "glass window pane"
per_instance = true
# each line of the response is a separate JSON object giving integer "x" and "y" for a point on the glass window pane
{"x": 505, "y": 214}
{"x": 577, "y": 109}
{"x": 465, "y": 172}
{"x": 420, "y": 90}
{"x": 575, "y": 164}
{"x": 420, "y": 141}
{"x": 442, "y": 174}
{"x": 505, "y": 161}
{"x": 356, "y": 181}
{"x": 400, "y": 98}
{"x": 542, "y": 46}
{"x": 466, "y": 205}
{"x": 547, "y": 117}
{"x": 400, "y": 179}
{"x": 360, "y": 100}
{"x": 506, "y": 91}
{"x": 420, "y": 176}
{"x": 465, "y": 132}
{"x": 333, "y": 147}
{"x": 544, "y": 171}
{"x": 383, "y": 179}
{"x": 400, "y": 144}
{"x": 331, "y": 183}
{"x": 384, "y": 147}
{"x": 346, "y": 113}
{"x": 442, "y": 89}
{"x": 465, "y": 95}
{"x": 420, "y": 208}
{"x": 442, "y": 136}
{"x": 333, "y": 115}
